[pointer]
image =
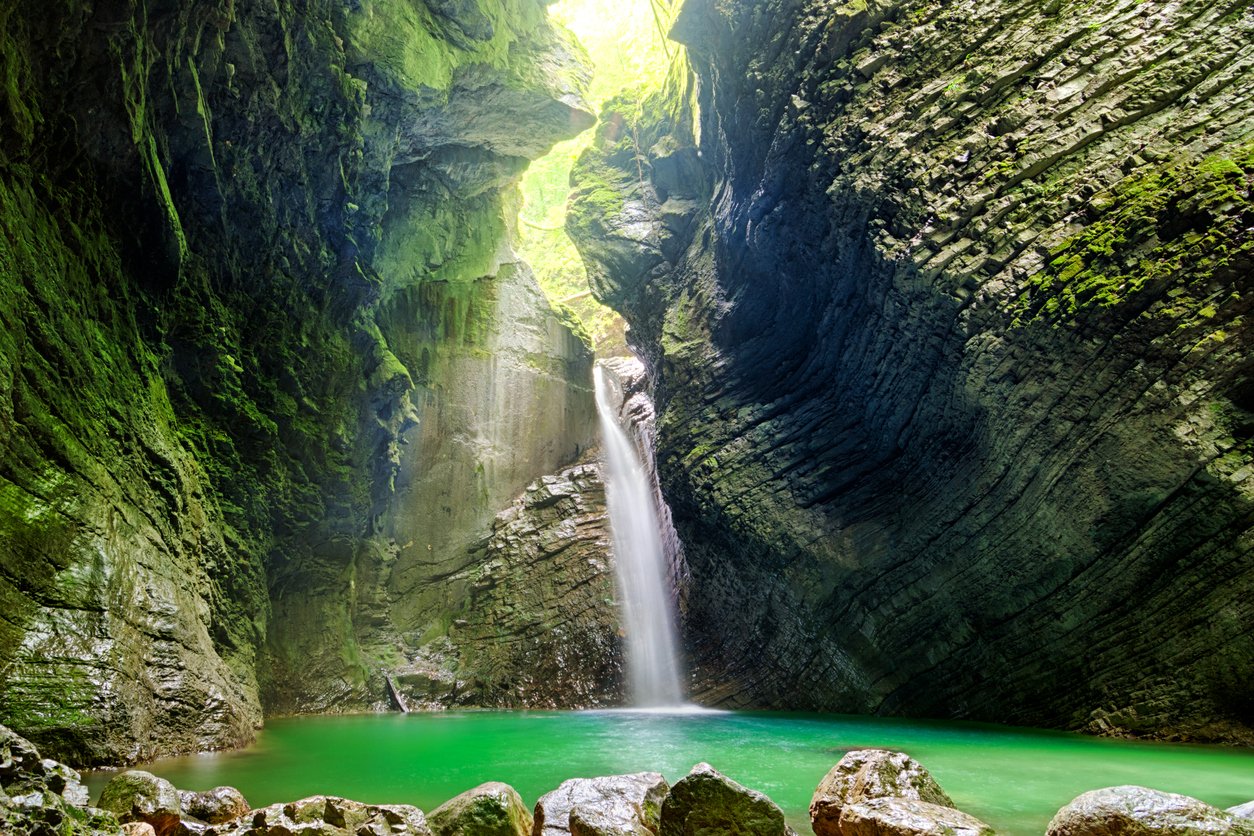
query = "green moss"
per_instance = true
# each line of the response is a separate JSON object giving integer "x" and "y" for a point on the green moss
{"x": 1173, "y": 225}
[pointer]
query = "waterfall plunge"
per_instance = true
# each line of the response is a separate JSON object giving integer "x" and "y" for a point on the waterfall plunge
{"x": 640, "y": 563}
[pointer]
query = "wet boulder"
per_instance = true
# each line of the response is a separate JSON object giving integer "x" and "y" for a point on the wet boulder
{"x": 136, "y": 795}
{"x": 216, "y": 806}
{"x": 908, "y": 817}
{"x": 612, "y": 804}
{"x": 865, "y": 774}
{"x": 492, "y": 809}
{"x": 1131, "y": 810}
{"x": 707, "y": 802}
{"x": 1243, "y": 811}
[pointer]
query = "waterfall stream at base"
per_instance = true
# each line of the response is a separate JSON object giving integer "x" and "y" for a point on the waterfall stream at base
{"x": 640, "y": 563}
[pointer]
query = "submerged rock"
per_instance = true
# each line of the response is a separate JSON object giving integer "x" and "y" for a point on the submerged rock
{"x": 215, "y": 806}
{"x": 136, "y": 795}
{"x": 708, "y": 802}
{"x": 898, "y": 816}
{"x": 865, "y": 774}
{"x": 324, "y": 815}
{"x": 491, "y": 809}
{"x": 612, "y": 804}
{"x": 1129, "y": 810}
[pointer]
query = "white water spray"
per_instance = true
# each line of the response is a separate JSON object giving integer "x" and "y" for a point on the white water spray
{"x": 640, "y": 562}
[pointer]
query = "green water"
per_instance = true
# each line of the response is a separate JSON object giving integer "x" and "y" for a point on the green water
{"x": 1014, "y": 779}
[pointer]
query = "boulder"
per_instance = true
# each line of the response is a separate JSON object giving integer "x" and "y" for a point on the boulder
{"x": 865, "y": 774}
{"x": 216, "y": 806}
{"x": 18, "y": 757}
{"x": 706, "y": 802}
{"x": 492, "y": 809}
{"x": 65, "y": 781}
{"x": 1131, "y": 810}
{"x": 1243, "y": 811}
{"x": 136, "y": 795}
{"x": 324, "y": 815}
{"x": 908, "y": 817}
{"x": 612, "y": 804}
{"x": 605, "y": 821}
{"x": 42, "y": 796}
{"x": 138, "y": 828}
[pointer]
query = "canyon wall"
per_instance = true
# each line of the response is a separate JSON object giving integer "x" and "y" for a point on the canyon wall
{"x": 269, "y": 367}
{"x": 947, "y": 307}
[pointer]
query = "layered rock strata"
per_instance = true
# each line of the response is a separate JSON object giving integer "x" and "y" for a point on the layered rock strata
{"x": 263, "y": 342}
{"x": 949, "y": 328}
{"x": 534, "y": 613}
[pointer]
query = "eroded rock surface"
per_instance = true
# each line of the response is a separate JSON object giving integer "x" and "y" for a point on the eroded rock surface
{"x": 866, "y": 774}
{"x": 1139, "y": 810}
{"x": 903, "y": 816}
{"x": 215, "y": 806}
{"x": 949, "y": 331}
{"x": 329, "y": 816}
{"x": 614, "y": 805}
{"x": 535, "y": 621}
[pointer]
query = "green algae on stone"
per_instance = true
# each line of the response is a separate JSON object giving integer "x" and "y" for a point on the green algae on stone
{"x": 1183, "y": 224}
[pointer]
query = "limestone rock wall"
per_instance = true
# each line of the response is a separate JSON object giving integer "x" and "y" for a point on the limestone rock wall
{"x": 261, "y": 320}
{"x": 953, "y": 363}
{"x": 534, "y": 612}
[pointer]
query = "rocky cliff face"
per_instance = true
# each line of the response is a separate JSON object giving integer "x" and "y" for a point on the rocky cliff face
{"x": 953, "y": 362}
{"x": 262, "y": 334}
{"x": 534, "y": 608}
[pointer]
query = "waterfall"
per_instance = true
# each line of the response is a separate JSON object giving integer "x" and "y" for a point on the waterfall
{"x": 640, "y": 563}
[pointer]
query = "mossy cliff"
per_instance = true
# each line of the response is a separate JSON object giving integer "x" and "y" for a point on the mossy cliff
{"x": 262, "y": 330}
{"x": 953, "y": 364}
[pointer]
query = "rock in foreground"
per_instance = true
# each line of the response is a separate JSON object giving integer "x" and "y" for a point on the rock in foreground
{"x": 1115, "y": 811}
{"x": 138, "y": 796}
{"x": 706, "y": 802}
{"x": 216, "y": 806}
{"x": 491, "y": 809}
{"x": 626, "y": 805}
{"x": 865, "y": 774}
{"x": 907, "y": 817}
{"x": 324, "y": 815}
{"x": 39, "y": 796}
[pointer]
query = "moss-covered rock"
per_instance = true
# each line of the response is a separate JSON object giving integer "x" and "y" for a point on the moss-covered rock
{"x": 136, "y": 795}
{"x": 246, "y": 251}
{"x": 492, "y": 809}
{"x": 706, "y": 801}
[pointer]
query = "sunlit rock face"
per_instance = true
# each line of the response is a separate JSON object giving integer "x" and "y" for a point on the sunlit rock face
{"x": 262, "y": 329}
{"x": 953, "y": 369}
